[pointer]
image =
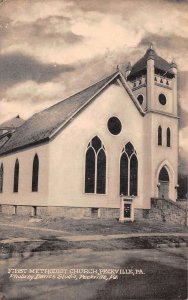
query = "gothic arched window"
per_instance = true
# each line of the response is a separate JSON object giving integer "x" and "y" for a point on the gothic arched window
{"x": 1, "y": 178}
{"x": 133, "y": 175}
{"x": 35, "y": 174}
{"x": 16, "y": 176}
{"x": 128, "y": 171}
{"x": 168, "y": 142}
{"x": 95, "y": 167}
{"x": 163, "y": 175}
{"x": 160, "y": 136}
{"x": 124, "y": 174}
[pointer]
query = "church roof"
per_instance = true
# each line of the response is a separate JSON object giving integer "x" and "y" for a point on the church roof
{"x": 12, "y": 123}
{"x": 44, "y": 125}
{"x": 159, "y": 63}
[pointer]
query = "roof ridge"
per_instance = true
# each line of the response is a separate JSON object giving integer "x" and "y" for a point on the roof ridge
{"x": 4, "y": 124}
{"x": 39, "y": 128}
{"x": 79, "y": 92}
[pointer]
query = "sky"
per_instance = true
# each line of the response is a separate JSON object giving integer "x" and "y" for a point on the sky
{"x": 50, "y": 49}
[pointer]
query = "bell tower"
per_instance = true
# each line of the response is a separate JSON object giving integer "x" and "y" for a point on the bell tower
{"x": 153, "y": 81}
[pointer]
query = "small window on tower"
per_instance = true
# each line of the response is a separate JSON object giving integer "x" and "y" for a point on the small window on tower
{"x": 140, "y": 99}
{"x": 162, "y": 99}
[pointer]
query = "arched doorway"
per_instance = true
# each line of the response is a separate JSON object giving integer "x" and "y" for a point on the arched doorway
{"x": 164, "y": 183}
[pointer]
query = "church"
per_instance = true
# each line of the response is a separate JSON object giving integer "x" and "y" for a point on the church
{"x": 103, "y": 152}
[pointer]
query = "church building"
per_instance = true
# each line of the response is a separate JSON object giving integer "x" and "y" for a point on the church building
{"x": 103, "y": 152}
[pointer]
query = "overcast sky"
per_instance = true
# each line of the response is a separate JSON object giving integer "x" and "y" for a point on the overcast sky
{"x": 50, "y": 49}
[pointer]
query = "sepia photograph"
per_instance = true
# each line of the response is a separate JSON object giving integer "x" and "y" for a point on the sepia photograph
{"x": 93, "y": 149}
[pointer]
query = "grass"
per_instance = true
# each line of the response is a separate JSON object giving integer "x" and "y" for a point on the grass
{"x": 95, "y": 226}
{"x": 49, "y": 240}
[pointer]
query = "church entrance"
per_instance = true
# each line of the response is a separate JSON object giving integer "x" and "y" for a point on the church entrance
{"x": 163, "y": 184}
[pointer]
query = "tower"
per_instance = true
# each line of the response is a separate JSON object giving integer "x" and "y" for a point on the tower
{"x": 153, "y": 81}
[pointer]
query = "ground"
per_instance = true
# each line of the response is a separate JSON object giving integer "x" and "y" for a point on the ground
{"x": 151, "y": 254}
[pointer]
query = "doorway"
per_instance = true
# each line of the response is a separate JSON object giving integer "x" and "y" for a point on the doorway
{"x": 163, "y": 184}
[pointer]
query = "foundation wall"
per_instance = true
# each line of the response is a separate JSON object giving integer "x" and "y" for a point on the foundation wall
{"x": 161, "y": 211}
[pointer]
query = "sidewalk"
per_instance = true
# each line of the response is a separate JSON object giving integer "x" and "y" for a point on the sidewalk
{"x": 36, "y": 228}
{"x": 67, "y": 236}
{"x": 99, "y": 237}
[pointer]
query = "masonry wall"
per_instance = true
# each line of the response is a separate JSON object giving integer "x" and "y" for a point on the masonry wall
{"x": 63, "y": 211}
{"x": 167, "y": 211}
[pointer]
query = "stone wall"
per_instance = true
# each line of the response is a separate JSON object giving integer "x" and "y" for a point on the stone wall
{"x": 68, "y": 212}
{"x": 7, "y": 209}
{"x": 182, "y": 203}
{"x": 161, "y": 210}
{"x": 167, "y": 211}
{"x": 109, "y": 213}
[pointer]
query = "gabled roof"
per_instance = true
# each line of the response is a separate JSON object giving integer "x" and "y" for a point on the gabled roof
{"x": 44, "y": 125}
{"x": 12, "y": 123}
{"x": 3, "y": 140}
{"x": 159, "y": 63}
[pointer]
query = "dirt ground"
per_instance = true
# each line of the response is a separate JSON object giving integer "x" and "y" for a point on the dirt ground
{"x": 163, "y": 276}
{"x": 156, "y": 273}
{"x": 35, "y": 235}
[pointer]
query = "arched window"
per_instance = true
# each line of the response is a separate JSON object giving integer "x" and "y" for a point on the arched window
{"x": 124, "y": 174}
{"x": 95, "y": 167}
{"x": 160, "y": 136}
{"x": 128, "y": 171}
{"x": 168, "y": 142}
{"x": 90, "y": 171}
{"x": 16, "y": 176}
{"x": 1, "y": 178}
{"x": 35, "y": 174}
{"x": 133, "y": 175}
{"x": 163, "y": 175}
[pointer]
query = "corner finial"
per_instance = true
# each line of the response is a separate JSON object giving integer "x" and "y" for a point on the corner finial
{"x": 173, "y": 64}
{"x": 151, "y": 46}
{"x": 117, "y": 67}
{"x": 129, "y": 66}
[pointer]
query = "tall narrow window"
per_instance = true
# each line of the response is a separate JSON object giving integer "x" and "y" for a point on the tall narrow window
{"x": 160, "y": 136}
{"x": 101, "y": 172}
{"x": 90, "y": 171}
{"x": 1, "y": 178}
{"x": 35, "y": 174}
{"x": 168, "y": 142}
{"x": 128, "y": 171}
{"x": 95, "y": 167}
{"x": 16, "y": 176}
{"x": 133, "y": 175}
{"x": 124, "y": 174}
